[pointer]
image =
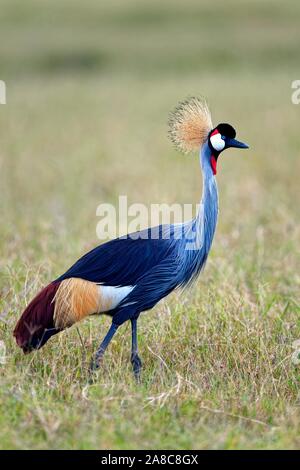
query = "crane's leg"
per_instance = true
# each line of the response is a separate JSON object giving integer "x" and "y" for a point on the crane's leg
{"x": 135, "y": 359}
{"x": 96, "y": 361}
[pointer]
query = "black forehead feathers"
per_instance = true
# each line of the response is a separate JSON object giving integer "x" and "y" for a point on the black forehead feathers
{"x": 227, "y": 130}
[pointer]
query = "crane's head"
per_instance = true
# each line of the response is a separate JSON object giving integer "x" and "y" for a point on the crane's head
{"x": 220, "y": 138}
{"x": 190, "y": 127}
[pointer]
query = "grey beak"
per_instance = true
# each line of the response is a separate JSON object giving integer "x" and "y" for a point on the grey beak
{"x": 236, "y": 144}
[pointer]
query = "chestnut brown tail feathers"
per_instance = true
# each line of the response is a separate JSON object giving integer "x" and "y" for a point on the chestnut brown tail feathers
{"x": 36, "y": 324}
{"x": 56, "y": 307}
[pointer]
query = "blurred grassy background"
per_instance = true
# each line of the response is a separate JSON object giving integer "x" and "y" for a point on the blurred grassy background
{"x": 89, "y": 88}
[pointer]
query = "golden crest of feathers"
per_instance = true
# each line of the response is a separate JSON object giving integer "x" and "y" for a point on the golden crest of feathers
{"x": 190, "y": 124}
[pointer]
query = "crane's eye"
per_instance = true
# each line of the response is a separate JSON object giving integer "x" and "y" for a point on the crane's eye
{"x": 223, "y": 137}
{"x": 217, "y": 142}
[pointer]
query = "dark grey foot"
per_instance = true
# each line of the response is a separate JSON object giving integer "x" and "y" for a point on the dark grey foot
{"x": 96, "y": 362}
{"x": 137, "y": 366}
{"x": 94, "y": 367}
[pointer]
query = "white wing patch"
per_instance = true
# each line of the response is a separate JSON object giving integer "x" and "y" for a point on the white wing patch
{"x": 111, "y": 296}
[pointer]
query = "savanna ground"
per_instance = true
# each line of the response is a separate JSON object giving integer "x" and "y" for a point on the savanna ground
{"x": 89, "y": 88}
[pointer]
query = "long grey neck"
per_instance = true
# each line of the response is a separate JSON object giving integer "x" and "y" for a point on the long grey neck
{"x": 200, "y": 231}
{"x": 207, "y": 216}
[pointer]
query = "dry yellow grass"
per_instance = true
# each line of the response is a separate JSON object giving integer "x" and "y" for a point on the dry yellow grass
{"x": 89, "y": 89}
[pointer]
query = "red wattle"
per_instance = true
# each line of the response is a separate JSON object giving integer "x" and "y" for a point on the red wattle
{"x": 213, "y": 163}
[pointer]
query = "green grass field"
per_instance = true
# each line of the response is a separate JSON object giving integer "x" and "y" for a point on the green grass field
{"x": 89, "y": 88}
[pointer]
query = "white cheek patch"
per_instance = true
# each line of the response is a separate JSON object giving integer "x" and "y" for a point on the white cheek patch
{"x": 217, "y": 142}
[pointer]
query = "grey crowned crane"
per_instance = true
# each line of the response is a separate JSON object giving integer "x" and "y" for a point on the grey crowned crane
{"x": 130, "y": 274}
